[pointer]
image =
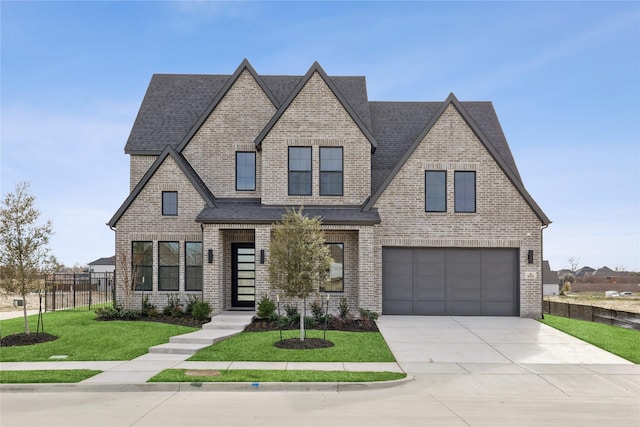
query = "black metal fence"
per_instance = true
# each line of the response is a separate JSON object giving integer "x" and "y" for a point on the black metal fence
{"x": 79, "y": 291}
{"x": 593, "y": 314}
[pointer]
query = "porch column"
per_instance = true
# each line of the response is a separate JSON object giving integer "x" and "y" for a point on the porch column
{"x": 369, "y": 296}
{"x": 212, "y": 272}
{"x": 263, "y": 240}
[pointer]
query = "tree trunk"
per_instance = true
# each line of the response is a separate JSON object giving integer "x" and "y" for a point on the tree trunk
{"x": 24, "y": 311}
{"x": 302, "y": 305}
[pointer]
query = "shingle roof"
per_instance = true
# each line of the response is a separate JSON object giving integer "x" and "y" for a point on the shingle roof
{"x": 104, "y": 261}
{"x": 174, "y": 107}
{"x": 251, "y": 211}
{"x": 186, "y": 168}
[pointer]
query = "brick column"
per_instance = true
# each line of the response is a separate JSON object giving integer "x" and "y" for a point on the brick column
{"x": 212, "y": 273}
{"x": 368, "y": 294}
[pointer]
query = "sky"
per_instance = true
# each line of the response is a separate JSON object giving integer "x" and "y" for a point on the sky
{"x": 564, "y": 78}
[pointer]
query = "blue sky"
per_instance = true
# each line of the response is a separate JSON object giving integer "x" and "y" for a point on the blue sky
{"x": 564, "y": 79}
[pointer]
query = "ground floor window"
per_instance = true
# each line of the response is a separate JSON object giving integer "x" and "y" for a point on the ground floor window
{"x": 168, "y": 266}
{"x": 142, "y": 265}
{"x": 193, "y": 266}
{"x": 336, "y": 271}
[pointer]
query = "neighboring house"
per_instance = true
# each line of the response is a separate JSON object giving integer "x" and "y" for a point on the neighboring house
{"x": 422, "y": 204}
{"x": 584, "y": 271}
{"x": 103, "y": 265}
{"x": 609, "y": 273}
{"x": 550, "y": 280}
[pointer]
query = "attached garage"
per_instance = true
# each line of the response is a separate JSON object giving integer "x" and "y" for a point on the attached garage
{"x": 450, "y": 281}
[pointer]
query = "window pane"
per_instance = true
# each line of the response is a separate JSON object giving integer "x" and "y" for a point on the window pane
{"x": 193, "y": 266}
{"x": 169, "y": 203}
{"x": 336, "y": 270}
{"x": 299, "y": 183}
{"x": 465, "y": 191}
{"x": 169, "y": 253}
{"x": 331, "y": 159}
{"x": 435, "y": 191}
{"x": 331, "y": 183}
{"x": 300, "y": 158}
{"x": 245, "y": 171}
{"x": 142, "y": 265}
{"x": 168, "y": 270}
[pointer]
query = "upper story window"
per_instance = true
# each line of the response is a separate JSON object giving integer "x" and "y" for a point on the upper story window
{"x": 331, "y": 171}
{"x": 465, "y": 191}
{"x": 193, "y": 266}
{"x": 142, "y": 265}
{"x": 168, "y": 266}
{"x": 245, "y": 171}
{"x": 299, "y": 171}
{"x": 169, "y": 203}
{"x": 435, "y": 191}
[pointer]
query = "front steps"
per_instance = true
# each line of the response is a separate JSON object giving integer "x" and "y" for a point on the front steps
{"x": 222, "y": 326}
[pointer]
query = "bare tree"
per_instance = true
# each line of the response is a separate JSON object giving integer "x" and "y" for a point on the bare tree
{"x": 24, "y": 255}
{"x": 299, "y": 261}
{"x": 574, "y": 263}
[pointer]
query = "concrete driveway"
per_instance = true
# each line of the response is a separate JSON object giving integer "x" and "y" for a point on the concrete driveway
{"x": 424, "y": 344}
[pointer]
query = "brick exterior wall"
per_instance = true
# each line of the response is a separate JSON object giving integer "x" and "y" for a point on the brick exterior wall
{"x": 316, "y": 118}
{"x": 233, "y": 126}
{"x": 502, "y": 217}
{"x": 143, "y": 221}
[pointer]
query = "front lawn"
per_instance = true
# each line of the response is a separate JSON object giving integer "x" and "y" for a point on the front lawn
{"x": 259, "y": 346}
{"x": 82, "y": 338}
{"x": 46, "y": 376}
{"x": 619, "y": 341}
{"x": 248, "y": 375}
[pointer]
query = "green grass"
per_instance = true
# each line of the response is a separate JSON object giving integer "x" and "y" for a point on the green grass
{"x": 259, "y": 346}
{"x": 246, "y": 375}
{"x": 619, "y": 341}
{"x": 46, "y": 376}
{"x": 80, "y": 337}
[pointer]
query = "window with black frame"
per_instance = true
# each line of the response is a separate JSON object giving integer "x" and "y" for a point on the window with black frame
{"x": 299, "y": 171}
{"x": 193, "y": 266}
{"x": 245, "y": 171}
{"x": 142, "y": 265}
{"x": 168, "y": 266}
{"x": 465, "y": 191}
{"x": 336, "y": 270}
{"x": 331, "y": 171}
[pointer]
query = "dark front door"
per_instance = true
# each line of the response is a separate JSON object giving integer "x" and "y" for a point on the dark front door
{"x": 243, "y": 265}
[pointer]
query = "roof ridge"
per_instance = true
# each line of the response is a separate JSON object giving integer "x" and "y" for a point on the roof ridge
{"x": 315, "y": 68}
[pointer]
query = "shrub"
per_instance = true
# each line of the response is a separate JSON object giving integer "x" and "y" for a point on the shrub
{"x": 173, "y": 307}
{"x": 293, "y": 316}
{"x": 148, "y": 309}
{"x": 266, "y": 308}
{"x": 309, "y": 322}
{"x": 200, "y": 310}
{"x": 117, "y": 313}
{"x": 368, "y": 314}
{"x": 317, "y": 309}
{"x": 188, "y": 309}
{"x": 343, "y": 309}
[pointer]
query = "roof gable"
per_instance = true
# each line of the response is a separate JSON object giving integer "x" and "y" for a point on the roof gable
{"x": 216, "y": 100}
{"x": 316, "y": 68}
{"x": 507, "y": 167}
{"x": 184, "y": 166}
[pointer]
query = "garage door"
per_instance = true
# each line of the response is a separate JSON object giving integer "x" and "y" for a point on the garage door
{"x": 450, "y": 281}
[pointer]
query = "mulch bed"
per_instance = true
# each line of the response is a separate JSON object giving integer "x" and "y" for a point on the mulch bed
{"x": 335, "y": 324}
{"x": 26, "y": 339}
{"x": 307, "y": 344}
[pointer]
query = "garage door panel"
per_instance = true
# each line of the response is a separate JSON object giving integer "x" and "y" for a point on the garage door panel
{"x": 397, "y": 307}
{"x": 450, "y": 281}
{"x": 433, "y": 308}
{"x": 464, "y": 308}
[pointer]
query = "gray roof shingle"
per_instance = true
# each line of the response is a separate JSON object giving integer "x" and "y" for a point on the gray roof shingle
{"x": 251, "y": 211}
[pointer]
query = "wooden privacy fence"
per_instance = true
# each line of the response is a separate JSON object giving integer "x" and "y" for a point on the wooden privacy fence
{"x": 78, "y": 291}
{"x": 593, "y": 314}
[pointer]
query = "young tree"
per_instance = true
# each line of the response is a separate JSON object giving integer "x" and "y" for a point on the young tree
{"x": 299, "y": 260}
{"x": 24, "y": 255}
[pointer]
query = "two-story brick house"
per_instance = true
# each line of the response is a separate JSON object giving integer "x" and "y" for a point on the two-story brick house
{"x": 422, "y": 204}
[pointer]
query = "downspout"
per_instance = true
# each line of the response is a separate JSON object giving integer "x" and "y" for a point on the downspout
{"x": 541, "y": 271}
{"x": 202, "y": 243}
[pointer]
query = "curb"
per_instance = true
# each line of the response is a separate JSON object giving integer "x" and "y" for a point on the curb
{"x": 204, "y": 387}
